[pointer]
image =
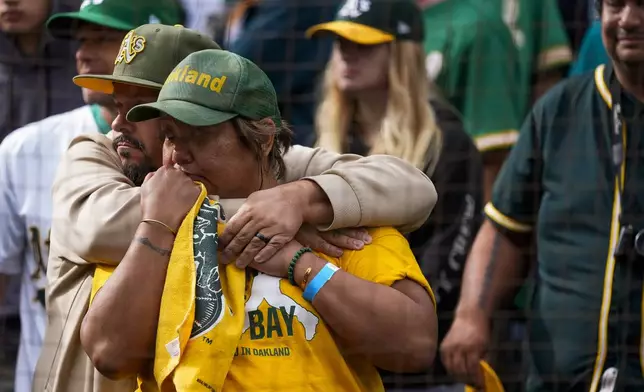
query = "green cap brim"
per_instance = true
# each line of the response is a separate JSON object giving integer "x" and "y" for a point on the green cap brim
{"x": 61, "y": 24}
{"x": 352, "y": 31}
{"x": 186, "y": 112}
{"x": 105, "y": 83}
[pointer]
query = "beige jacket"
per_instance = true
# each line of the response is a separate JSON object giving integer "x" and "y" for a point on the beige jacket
{"x": 96, "y": 211}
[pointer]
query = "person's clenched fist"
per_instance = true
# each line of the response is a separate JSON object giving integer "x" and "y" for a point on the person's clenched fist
{"x": 465, "y": 346}
{"x": 167, "y": 195}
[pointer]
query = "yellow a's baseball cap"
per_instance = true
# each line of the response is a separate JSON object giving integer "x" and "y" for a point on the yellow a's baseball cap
{"x": 374, "y": 22}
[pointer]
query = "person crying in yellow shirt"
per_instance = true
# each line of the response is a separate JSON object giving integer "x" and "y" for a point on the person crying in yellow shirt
{"x": 298, "y": 321}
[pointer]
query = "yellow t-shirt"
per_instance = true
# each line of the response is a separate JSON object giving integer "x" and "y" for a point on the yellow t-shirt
{"x": 285, "y": 344}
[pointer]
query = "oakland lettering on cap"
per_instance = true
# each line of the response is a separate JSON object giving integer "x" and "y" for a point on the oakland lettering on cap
{"x": 193, "y": 76}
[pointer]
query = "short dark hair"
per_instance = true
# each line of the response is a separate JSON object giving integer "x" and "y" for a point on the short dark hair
{"x": 598, "y": 7}
{"x": 255, "y": 135}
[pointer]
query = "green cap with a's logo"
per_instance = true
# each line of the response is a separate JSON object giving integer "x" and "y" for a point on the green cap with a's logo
{"x": 147, "y": 56}
{"x": 118, "y": 14}
{"x": 372, "y": 22}
{"x": 210, "y": 87}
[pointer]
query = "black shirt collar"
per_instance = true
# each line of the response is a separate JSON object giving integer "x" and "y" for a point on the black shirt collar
{"x": 631, "y": 106}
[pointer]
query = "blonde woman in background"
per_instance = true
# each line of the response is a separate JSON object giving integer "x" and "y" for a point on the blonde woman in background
{"x": 377, "y": 99}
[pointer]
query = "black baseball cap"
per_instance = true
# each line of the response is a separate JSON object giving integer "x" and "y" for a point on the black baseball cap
{"x": 372, "y": 22}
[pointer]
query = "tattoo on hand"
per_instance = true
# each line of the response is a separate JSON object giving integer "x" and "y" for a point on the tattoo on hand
{"x": 146, "y": 242}
{"x": 489, "y": 272}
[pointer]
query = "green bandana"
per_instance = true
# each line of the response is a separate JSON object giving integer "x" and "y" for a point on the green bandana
{"x": 103, "y": 126}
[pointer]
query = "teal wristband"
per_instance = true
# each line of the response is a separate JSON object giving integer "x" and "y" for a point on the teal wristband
{"x": 294, "y": 260}
{"x": 319, "y": 280}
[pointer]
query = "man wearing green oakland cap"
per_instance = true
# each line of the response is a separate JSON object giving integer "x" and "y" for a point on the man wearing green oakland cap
{"x": 97, "y": 205}
{"x": 208, "y": 104}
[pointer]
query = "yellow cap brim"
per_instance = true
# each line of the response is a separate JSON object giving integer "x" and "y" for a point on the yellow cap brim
{"x": 105, "y": 83}
{"x": 351, "y": 31}
{"x": 492, "y": 381}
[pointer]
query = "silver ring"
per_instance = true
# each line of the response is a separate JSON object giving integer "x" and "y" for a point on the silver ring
{"x": 262, "y": 237}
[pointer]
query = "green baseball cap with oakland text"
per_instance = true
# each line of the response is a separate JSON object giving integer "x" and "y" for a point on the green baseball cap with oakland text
{"x": 210, "y": 87}
{"x": 117, "y": 14}
{"x": 147, "y": 56}
{"x": 372, "y": 22}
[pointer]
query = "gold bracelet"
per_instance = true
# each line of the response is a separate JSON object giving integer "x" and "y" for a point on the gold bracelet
{"x": 305, "y": 280}
{"x": 159, "y": 223}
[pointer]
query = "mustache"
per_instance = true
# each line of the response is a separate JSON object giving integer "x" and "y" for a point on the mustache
{"x": 123, "y": 138}
{"x": 623, "y": 34}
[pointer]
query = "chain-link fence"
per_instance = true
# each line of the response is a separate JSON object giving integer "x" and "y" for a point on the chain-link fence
{"x": 484, "y": 64}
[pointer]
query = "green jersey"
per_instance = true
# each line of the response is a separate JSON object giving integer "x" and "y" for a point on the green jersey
{"x": 471, "y": 57}
{"x": 558, "y": 183}
{"x": 539, "y": 34}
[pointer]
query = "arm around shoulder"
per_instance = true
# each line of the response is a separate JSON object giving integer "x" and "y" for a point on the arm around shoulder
{"x": 378, "y": 190}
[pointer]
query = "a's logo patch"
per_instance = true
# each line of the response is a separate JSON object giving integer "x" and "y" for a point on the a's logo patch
{"x": 403, "y": 28}
{"x": 209, "y": 299}
{"x": 86, "y": 3}
{"x": 131, "y": 46}
{"x": 434, "y": 64}
{"x": 354, "y": 8}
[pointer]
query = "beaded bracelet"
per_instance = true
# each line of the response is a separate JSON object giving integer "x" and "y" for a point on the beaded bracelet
{"x": 294, "y": 260}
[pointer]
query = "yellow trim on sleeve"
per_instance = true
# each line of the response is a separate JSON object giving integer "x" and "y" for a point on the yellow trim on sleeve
{"x": 497, "y": 140}
{"x": 553, "y": 57}
{"x": 505, "y": 221}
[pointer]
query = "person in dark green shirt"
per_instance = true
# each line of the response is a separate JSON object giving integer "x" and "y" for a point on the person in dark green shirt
{"x": 559, "y": 186}
{"x": 574, "y": 213}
